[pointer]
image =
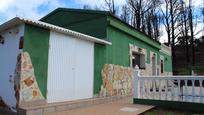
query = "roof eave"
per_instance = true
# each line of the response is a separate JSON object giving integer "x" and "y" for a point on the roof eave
{"x": 18, "y": 20}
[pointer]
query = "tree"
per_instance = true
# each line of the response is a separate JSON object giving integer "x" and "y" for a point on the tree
{"x": 86, "y": 7}
{"x": 155, "y": 19}
{"x": 184, "y": 29}
{"x": 125, "y": 15}
{"x": 171, "y": 15}
{"x": 191, "y": 33}
{"x": 166, "y": 20}
{"x": 110, "y": 5}
{"x": 138, "y": 8}
{"x": 145, "y": 17}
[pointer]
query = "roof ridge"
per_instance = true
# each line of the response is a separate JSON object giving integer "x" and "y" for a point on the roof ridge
{"x": 99, "y": 12}
{"x": 76, "y": 10}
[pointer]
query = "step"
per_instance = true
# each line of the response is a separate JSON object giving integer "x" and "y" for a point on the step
{"x": 63, "y": 106}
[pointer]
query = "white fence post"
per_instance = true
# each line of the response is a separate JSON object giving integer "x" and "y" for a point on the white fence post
{"x": 171, "y": 92}
{"x": 136, "y": 82}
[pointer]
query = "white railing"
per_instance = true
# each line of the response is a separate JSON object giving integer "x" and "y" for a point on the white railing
{"x": 171, "y": 88}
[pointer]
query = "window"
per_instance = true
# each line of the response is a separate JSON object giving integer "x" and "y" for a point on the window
{"x": 1, "y": 39}
{"x": 162, "y": 66}
{"x": 138, "y": 59}
{"x": 21, "y": 43}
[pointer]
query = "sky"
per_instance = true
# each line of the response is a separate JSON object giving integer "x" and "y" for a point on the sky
{"x": 36, "y": 9}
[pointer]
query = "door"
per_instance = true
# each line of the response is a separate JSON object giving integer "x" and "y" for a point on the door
{"x": 70, "y": 68}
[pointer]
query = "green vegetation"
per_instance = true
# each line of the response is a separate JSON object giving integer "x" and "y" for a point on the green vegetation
{"x": 199, "y": 70}
{"x": 159, "y": 111}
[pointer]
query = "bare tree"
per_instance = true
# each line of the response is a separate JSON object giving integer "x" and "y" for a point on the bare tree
{"x": 166, "y": 20}
{"x": 110, "y": 4}
{"x": 191, "y": 32}
{"x": 202, "y": 11}
{"x": 86, "y": 6}
{"x": 171, "y": 15}
{"x": 155, "y": 19}
{"x": 184, "y": 29}
{"x": 138, "y": 9}
{"x": 145, "y": 16}
{"x": 125, "y": 15}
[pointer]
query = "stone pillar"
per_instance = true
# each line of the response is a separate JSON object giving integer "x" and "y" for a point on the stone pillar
{"x": 25, "y": 84}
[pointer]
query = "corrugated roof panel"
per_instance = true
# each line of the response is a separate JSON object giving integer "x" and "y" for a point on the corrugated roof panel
{"x": 19, "y": 20}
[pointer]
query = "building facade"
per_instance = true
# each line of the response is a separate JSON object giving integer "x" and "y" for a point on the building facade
{"x": 42, "y": 63}
{"x": 129, "y": 47}
{"x": 73, "y": 54}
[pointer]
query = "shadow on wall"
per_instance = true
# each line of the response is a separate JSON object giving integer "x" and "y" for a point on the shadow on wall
{"x": 3, "y": 104}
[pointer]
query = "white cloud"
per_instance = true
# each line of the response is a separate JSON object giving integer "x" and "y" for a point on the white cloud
{"x": 27, "y": 8}
{"x": 4, "y": 4}
{"x": 197, "y": 3}
{"x": 199, "y": 30}
{"x": 164, "y": 37}
{"x": 98, "y": 2}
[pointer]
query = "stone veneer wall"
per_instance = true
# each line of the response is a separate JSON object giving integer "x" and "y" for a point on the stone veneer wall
{"x": 25, "y": 84}
{"x": 148, "y": 71}
{"x": 117, "y": 80}
{"x": 148, "y": 67}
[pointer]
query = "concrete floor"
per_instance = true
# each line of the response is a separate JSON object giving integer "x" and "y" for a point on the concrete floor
{"x": 122, "y": 107}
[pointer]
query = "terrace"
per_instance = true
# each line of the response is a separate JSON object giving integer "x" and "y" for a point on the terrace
{"x": 175, "y": 92}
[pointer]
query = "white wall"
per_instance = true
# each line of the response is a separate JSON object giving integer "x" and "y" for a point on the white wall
{"x": 8, "y": 58}
{"x": 70, "y": 68}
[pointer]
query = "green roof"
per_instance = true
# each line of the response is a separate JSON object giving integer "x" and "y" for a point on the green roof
{"x": 146, "y": 37}
{"x": 76, "y": 10}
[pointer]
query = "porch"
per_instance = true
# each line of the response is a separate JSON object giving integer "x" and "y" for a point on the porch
{"x": 171, "y": 92}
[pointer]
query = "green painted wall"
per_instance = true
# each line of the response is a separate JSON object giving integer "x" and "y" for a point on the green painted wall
{"x": 131, "y": 31}
{"x": 36, "y": 43}
{"x": 167, "y": 62}
{"x": 117, "y": 53}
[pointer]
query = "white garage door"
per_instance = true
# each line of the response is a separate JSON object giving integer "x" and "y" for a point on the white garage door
{"x": 70, "y": 68}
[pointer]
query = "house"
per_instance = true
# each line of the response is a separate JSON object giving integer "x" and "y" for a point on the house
{"x": 37, "y": 57}
{"x": 73, "y": 54}
{"x": 129, "y": 47}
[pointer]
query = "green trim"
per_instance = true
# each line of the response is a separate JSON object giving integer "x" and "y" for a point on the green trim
{"x": 133, "y": 32}
{"x": 99, "y": 60}
{"x": 184, "y": 106}
{"x": 36, "y": 43}
{"x": 167, "y": 62}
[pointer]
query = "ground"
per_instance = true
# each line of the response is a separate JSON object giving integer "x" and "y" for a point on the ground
{"x": 121, "y": 107}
